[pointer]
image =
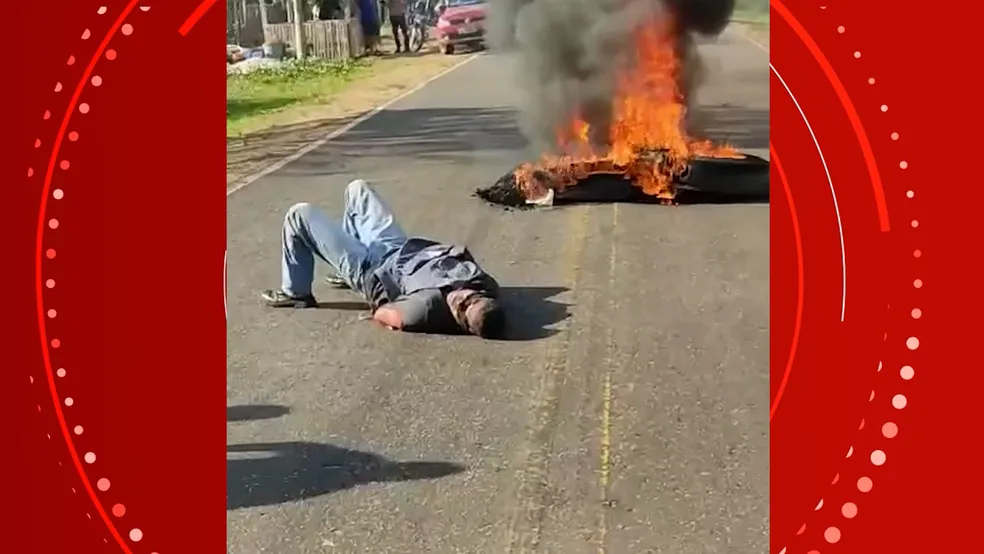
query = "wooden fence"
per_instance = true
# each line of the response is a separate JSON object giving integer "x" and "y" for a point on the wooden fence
{"x": 243, "y": 24}
{"x": 334, "y": 39}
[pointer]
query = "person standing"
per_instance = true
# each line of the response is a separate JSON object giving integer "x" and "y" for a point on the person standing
{"x": 369, "y": 20}
{"x": 398, "y": 20}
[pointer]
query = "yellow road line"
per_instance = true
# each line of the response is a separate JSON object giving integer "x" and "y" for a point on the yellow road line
{"x": 606, "y": 469}
{"x": 526, "y": 538}
{"x": 605, "y": 464}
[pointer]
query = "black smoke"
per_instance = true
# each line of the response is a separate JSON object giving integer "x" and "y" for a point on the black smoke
{"x": 570, "y": 53}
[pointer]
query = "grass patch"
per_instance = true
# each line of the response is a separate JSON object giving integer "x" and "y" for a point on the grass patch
{"x": 266, "y": 90}
{"x": 752, "y": 12}
{"x": 753, "y": 15}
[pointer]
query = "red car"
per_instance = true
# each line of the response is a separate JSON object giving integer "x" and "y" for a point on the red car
{"x": 461, "y": 23}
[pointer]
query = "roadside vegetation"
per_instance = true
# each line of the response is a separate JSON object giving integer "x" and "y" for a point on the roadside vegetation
{"x": 254, "y": 97}
{"x": 752, "y": 11}
{"x": 754, "y": 16}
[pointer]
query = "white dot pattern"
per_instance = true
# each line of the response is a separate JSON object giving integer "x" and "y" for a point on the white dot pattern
{"x": 889, "y": 429}
{"x": 76, "y": 431}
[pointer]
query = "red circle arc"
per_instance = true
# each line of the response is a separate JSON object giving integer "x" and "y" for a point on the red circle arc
{"x": 845, "y": 100}
{"x": 42, "y": 328}
{"x": 798, "y": 319}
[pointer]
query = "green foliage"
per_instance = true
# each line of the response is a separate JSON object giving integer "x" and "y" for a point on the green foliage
{"x": 268, "y": 89}
{"x": 754, "y": 12}
{"x": 754, "y": 6}
{"x": 292, "y": 71}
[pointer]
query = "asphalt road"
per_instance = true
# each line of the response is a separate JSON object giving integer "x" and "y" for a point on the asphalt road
{"x": 629, "y": 414}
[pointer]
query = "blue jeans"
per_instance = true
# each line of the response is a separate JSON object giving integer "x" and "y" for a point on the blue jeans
{"x": 367, "y": 234}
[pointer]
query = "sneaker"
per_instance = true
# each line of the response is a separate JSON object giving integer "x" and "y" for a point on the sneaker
{"x": 280, "y": 299}
{"x": 336, "y": 282}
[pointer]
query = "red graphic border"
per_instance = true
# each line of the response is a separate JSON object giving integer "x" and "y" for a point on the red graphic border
{"x": 871, "y": 106}
{"x": 39, "y": 257}
{"x": 865, "y": 229}
{"x": 122, "y": 449}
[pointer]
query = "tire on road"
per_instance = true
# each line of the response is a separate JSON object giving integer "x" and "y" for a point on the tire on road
{"x": 706, "y": 180}
{"x": 744, "y": 177}
{"x": 715, "y": 180}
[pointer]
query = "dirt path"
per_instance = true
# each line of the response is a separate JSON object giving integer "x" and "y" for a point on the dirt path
{"x": 293, "y": 128}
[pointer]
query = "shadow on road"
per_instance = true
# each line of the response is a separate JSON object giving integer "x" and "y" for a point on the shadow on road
{"x": 346, "y": 305}
{"x": 530, "y": 310}
{"x": 255, "y": 411}
{"x": 273, "y": 473}
{"x": 432, "y": 131}
{"x": 744, "y": 128}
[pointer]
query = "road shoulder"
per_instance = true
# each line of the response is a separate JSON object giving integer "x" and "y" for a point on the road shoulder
{"x": 292, "y": 129}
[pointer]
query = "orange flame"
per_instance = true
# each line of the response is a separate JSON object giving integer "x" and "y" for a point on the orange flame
{"x": 648, "y": 144}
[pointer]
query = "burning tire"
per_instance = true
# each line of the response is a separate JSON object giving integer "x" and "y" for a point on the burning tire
{"x": 704, "y": 179}
{"x": 742, "y": 177}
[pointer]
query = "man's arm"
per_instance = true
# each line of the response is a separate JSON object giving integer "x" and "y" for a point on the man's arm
{"x": 389, "y": 316}
{"x": 421, "y": 312}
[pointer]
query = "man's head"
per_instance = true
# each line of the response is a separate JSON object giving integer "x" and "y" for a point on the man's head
{"x": 477, "y": 313}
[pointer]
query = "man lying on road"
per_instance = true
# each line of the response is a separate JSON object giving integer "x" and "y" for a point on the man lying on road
{"x": 411, "y": 284}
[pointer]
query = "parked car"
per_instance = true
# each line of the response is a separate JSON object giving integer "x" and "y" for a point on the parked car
{"x": 461, "y": 23}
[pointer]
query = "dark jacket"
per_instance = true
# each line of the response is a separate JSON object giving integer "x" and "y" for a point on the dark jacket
{"x": 424, "y": 264}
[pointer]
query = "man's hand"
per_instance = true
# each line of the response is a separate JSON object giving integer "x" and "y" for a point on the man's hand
{"x": 388, "y": 317}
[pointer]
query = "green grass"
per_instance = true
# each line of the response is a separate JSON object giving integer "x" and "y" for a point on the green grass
{"x": 255, "y": 95}
{"x": 752, "y": 12}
